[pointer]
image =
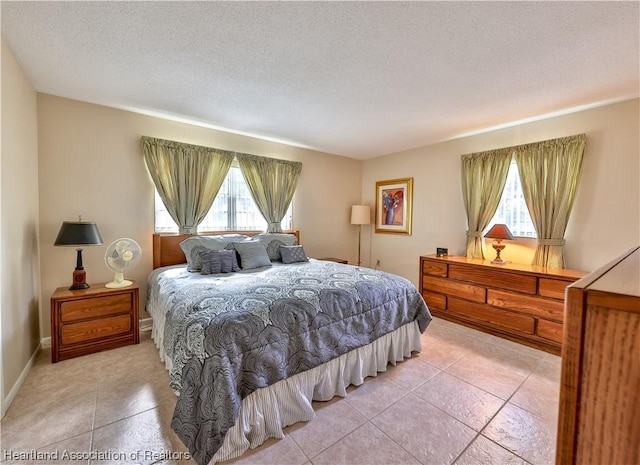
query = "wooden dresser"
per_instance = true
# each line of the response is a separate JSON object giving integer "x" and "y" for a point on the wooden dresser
{"x": 524, "y": 303}
{"x": 599, "y": 416}
{"x": 94, "y": 319}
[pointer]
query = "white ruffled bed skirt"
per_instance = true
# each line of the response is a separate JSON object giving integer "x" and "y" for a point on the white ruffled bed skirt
{"x": 265, "y": 412}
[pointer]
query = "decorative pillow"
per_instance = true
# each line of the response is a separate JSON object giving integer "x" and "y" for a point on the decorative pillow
{"x": 293, "y": 254}
{"x": 210, "y": 261}
{"x": 218, "y": 261}
{"x": 252, "y": 255}
{"x": 229, "y": 261}
{"x": 193, "y": 246}
{"x": 235, "y": 258}
{"x": 273, "y": 241}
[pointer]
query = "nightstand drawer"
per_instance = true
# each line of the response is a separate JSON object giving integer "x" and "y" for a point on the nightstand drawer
{"x": 95, "y": 307}
{"x": 95, "y": 329}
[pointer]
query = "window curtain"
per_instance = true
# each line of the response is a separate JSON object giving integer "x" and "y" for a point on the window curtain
{"x": 484, "y": 175}
{"x": 272, "y": 183}
{"x": 549, "y": 173}
{"x": 188, "y": 178}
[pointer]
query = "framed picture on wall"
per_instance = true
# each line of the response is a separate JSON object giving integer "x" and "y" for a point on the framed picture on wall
{"x": 393, "y": 206}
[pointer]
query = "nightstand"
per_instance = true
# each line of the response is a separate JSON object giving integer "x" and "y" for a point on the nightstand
{"x": 92, "y": 320}
{"x": 333, "y": 259}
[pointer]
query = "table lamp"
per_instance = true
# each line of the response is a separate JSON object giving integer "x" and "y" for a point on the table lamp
{"x": 499, "y": 232}
{"x": 360, "y": 214}
{"x": 76, "y": 234}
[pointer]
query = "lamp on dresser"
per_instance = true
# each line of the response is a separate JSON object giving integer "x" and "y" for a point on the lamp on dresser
{"x": 360, "y": 214}
{"x": 499, "y": 232}
{"x": 76, "y": 234}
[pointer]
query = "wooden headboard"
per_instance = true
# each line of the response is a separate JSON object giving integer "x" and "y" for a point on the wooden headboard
{"x": 167, "y": 251}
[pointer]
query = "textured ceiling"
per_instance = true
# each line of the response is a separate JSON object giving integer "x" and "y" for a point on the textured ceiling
{"x": 358, "y": 79}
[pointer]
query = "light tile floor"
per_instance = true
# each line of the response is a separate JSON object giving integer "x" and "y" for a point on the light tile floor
{"x": 468, "y": 398}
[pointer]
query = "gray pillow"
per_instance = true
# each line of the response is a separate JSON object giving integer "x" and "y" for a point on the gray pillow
{"x": 229, "y": 259}
{"x": 210, "y": 261}
{"x": 293, "y": 254}
{"x": 193, "y": 246}
{"x": 218, "y": 261}
{"x": 273, "y": 241}
{"x": 252, "y": 255}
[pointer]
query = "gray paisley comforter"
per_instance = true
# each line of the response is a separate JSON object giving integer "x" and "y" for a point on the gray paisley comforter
{"x": 228, "y": 336}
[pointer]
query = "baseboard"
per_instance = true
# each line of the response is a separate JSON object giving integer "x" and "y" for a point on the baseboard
{"x": 7, "y": 401}
{"x": 146, "y": 324}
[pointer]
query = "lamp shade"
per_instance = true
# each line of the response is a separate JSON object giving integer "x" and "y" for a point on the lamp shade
{"x": 360, "y": 214}
{"x": 499, "y": 231}
{"x": 75, "y": 233}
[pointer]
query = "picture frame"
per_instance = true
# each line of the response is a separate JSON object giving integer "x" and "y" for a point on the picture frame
{"x": 394, "y": 201}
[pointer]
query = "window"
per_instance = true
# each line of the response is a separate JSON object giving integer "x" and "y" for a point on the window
{"x": 232, "y": 209}
{"x": 512, "y": 209}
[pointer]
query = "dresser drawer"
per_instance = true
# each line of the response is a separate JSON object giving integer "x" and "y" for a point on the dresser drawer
{"x": 553, "y": 288}
{"x": 550, "y": 330}
{"x": 446, "y": 286}
{"x": 95, "y": 329}
{"x": 494, "y": 278}
{"x": 535, "y": 306}
{"x": 434, "y": 300}
{"x": 435, "y": 269}
{"x": 95, "y": 307}
{"x": 493, "y": 316}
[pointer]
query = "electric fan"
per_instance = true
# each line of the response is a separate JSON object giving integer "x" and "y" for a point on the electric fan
{"x": 122, "y": 255}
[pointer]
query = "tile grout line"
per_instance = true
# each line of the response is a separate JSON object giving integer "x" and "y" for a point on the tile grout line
{"x": 95, "y": 407}
{"x": 479, "y": 433}
{"x": 504, "y": 403}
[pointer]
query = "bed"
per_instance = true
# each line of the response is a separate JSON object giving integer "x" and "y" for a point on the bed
{"x": 248, "y": 351}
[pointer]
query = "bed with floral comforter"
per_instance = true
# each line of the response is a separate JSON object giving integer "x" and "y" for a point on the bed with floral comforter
{"x": 224, "y": 337}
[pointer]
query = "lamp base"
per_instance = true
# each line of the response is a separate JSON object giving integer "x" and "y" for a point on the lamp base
{"x": 498, "y": 247}
{"x": 79, "y": 280}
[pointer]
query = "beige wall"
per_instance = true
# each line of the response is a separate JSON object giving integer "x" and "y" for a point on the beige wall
{"x": 606, "y": 215}
{"x": 91, "y": 164}
{"x": 20, "y": 275}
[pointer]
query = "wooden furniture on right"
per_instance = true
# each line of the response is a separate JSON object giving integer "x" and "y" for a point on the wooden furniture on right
{"x": 599, "y": 416}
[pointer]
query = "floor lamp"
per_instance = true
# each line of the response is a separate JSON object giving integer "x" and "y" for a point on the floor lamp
{"x": 360, "y": 214}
